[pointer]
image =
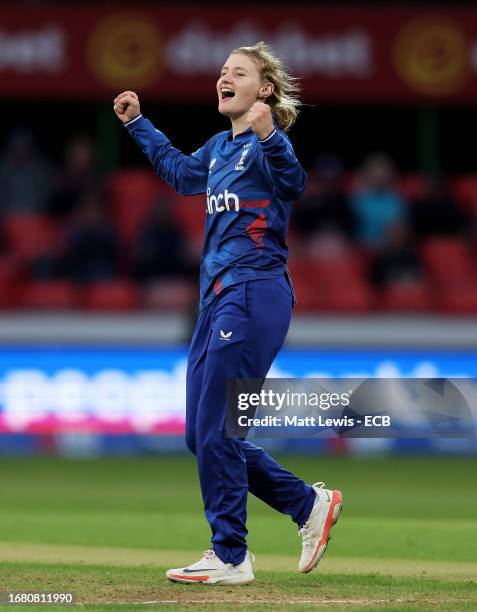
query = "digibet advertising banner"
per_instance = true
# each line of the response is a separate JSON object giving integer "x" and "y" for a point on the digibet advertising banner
{"x": 142, "y": 391}
{"x": 340, "y": 54}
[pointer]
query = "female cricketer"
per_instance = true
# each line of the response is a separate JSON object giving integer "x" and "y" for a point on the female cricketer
{"x": 250, "y": 176}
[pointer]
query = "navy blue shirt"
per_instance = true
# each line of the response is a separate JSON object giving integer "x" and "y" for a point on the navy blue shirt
{"x": 249, "y": 186}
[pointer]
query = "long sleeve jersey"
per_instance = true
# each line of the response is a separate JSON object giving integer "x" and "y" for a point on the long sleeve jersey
{"x": 249, "y": 186}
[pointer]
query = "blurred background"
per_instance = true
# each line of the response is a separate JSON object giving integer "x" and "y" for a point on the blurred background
{"x": 99, "y": 258}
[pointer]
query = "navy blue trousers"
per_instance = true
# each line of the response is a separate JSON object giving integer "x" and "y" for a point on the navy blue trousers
{"x": 238, "y": 335}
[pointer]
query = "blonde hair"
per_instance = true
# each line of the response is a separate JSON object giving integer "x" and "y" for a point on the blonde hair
{"x": 284, "y": 100}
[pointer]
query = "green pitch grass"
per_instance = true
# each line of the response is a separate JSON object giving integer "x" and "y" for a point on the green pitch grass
{"x": 107, "y": 529}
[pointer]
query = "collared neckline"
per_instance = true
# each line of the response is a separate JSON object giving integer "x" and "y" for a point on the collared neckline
{"x": 248, "y": 131}
{"x": 230, "y": 134}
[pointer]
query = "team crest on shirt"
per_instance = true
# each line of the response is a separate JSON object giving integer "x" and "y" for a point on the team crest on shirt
{"x": 245, "y": 150}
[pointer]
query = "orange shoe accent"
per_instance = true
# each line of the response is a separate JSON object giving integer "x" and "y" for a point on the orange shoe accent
{"x": 187, "y": 578}
{"x": 335, "y": 500}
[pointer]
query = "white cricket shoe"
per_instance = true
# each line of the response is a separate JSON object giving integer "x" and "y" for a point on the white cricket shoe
{"x": 211, "y": 570}
{"x": 316, "y": 531}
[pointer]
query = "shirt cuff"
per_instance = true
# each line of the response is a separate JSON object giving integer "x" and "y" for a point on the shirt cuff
{"x": 269, "y": 136}
{"x": 128, "y": 123}
{"x": 272, "y": 141}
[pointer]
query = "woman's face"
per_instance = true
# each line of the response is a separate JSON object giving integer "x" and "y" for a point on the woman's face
{"x": 238, "y": 85}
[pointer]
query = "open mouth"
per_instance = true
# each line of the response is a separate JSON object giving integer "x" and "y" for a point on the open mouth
{"x": 227, "y": 93}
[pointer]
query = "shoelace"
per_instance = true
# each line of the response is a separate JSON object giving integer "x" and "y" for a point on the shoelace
{"x": 304, "y": 532}
{"x": 210, "y": 554}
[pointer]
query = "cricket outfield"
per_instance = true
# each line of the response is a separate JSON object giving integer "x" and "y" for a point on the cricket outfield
{"x": 107, "y": 529}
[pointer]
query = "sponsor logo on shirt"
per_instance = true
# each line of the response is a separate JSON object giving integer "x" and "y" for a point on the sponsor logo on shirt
{"x": 222, "y": 201}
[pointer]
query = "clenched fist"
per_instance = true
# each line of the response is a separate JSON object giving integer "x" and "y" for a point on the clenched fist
{"x": 126, "y": 106}
{"x": 260, "y": 119}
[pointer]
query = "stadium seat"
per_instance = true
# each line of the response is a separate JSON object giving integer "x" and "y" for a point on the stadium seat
{"x": 132, "y": 194}
{"x": 120, "y": 295}
{"x": 350, "y": 182}
{"x": 9, "y": 277}
{"x": 355, "y": 297}
{"x": 449, "y": 262}
{"x": 411, "y": 186}
{"x": 49, "y": 295}
{"x": 306, "y": 295}
{"x": 406, "y": 297}
{"x": 459, "y": 300}
{"x": 344, "y": 266}
{"x": 337, "y": 271}
{"x": 345, "y": 293}
{"x": 464, "y": 190}
{"x": 174, "y": 294}
{"x": 305, "y": 290}
{"x": 29, "y": 236}
{"x": 189, "y": 212}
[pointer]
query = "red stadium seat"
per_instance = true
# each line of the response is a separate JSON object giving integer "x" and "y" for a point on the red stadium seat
{"x": 334, "y": 284}
{"x": 132, "y": 194}
{"x": 118, "y": 295}
{"x": 49, "y": 295}
{"x": 406, "y": 297}
{"x": 30, "y": 236}
{"x": 341, "y": 269}
{"x": 174, "y": 294}
{"x": 337, "y": 271}
{"x": 464, "y": 190}
{"x": 189, "y": 212}
{"x": 305, "y": 285}
{"x": 350, "y": 182}
{"x": 355, "y": 297}
{"x": 305, "y": 292}
{"x": 459, "y": 300}
{"x": 449, "y": 262}
{"x": 9, "y": 276}
{"x": 411, "y": 186}
{"x": 321, "y": 291}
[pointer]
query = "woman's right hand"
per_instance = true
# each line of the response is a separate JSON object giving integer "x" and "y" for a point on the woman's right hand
{"x": 126, "y": 106}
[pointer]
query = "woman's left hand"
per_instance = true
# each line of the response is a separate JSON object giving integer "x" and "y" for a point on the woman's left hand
{"x": 260, "y": 119}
